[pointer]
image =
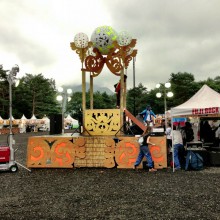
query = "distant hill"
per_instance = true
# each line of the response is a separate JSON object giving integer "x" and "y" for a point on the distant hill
{"x": 78, "y": 88}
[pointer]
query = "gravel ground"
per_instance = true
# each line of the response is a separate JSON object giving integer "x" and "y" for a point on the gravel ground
{"x": 91, "y": 193}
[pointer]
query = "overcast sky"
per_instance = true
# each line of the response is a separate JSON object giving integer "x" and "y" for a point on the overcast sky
{"x": 172, "y": 36}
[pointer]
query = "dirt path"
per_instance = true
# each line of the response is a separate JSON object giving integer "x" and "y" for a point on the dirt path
{"x": 89, "y": 193}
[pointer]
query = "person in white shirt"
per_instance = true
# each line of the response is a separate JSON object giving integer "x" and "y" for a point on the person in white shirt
{"x": 178, "y": 146}
{"x": 169, "y": 138}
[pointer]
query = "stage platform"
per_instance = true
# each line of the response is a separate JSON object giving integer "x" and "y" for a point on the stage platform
{"x": 75, "y": 150}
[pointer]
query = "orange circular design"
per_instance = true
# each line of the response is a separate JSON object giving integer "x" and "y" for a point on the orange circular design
{"x": 37, "y": 153}
{"x": 62, "y": 153}
{"x": 126, "y": 153}
{"x": 156, "y": 154}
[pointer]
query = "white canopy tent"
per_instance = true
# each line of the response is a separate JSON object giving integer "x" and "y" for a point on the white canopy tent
{"x": 206, "y": 102}
{"x": 1, "y": 122}
{"x": 23, "y": 117}
{"x": 33, "y": 117}
{"x": 71, "y": 121}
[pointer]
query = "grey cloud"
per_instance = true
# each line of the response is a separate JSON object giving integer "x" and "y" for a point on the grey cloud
{"x": 172, "y": 36}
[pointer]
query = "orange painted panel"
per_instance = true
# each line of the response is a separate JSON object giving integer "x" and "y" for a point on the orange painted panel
{"x": 126, "y": 152}
{"x": 159, "y": 152}
{"x": 90, "y": 151}
{"x": 54, "y": 152}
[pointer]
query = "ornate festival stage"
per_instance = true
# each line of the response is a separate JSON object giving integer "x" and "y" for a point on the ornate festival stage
{"x": 88, "y": 151}
{"x": 102, "y": 142}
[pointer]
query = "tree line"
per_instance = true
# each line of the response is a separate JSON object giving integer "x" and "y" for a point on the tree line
{"x": 37, "y": 95}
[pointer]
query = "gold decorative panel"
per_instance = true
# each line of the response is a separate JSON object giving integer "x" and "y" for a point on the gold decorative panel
{"x": 102, "y": 121}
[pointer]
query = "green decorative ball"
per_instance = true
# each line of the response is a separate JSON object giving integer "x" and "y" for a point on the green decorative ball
{"x": 103, "y": 37}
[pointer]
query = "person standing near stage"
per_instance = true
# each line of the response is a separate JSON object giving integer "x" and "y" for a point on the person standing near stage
{"x": 118, "y": 91}
{"x": 187, "y": 133}
{"x": 147, "y": 114}
{"x": 169, "y": 138}
{"x": 178, "y": 147}
{"x": 144, "y": 151}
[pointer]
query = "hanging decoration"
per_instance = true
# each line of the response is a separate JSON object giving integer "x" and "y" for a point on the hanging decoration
{"x": 106, "y": 46}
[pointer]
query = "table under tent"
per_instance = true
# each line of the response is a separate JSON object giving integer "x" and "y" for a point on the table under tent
{"x": 204, "y": 105}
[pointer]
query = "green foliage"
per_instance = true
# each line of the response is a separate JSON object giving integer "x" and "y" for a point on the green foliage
{"x": 74, "y": 107}
{"x": 4, "y": 94}
{"x": 35, "y": 95}
{"x": 183, "y": 86}
{"x": 212, "y": 83}
{"x": 137, "y": 99}
{"x": 103, "y": 101}
{"x": 100, "y": 101}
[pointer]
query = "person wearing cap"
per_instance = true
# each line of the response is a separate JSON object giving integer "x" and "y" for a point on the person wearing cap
{"x": 147, "y": 113}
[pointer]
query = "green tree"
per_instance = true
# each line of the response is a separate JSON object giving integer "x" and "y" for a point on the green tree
{"x": 100, "y": 101}
{"x": 4, "y": 94}
{"x": 137, "y": 99}
{"x": 74, "y": 106}
{"x": 212, "y": 83}
{"x": 183, "y": 86}
{"x": 103, "y": 101}
{"x": 36, "y": 95}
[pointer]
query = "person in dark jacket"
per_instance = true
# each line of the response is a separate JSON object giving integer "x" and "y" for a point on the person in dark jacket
{"x": 187, "y": 133}
{"x": 118, "y": 91}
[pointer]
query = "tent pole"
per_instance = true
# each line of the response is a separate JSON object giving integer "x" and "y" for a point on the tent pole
{"x": 172, "y": 144}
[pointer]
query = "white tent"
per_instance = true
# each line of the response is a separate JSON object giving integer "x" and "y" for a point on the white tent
{"x": 33, "y": 117}
{"x": 23, "y": 117}
{"x": 72, "y": 121}
{"x": 46, "y": 119}
{"x": 22, "y": 123}
{"x": 1, "y": 122}
{"x": 206, "y": 102}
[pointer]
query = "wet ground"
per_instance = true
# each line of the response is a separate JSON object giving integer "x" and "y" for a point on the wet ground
{"x": 91, "y": 193}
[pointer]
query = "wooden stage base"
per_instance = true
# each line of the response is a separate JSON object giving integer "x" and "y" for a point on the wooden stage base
{"x": 90, "y": 151}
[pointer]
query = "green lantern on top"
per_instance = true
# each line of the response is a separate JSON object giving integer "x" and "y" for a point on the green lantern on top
{"x": 103, "y": 37}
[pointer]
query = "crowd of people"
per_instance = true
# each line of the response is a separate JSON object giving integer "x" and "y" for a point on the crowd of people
{"x": 177, "y": 139}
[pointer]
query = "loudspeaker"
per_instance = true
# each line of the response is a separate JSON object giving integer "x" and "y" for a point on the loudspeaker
{"x": 56, "y": 124}
{"x": 214, "y": 158}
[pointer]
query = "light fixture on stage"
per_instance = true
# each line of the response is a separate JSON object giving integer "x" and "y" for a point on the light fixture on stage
{"x": 63, "y": 97}
{"x": 11, "y": 77}
{"x": 165, "y": 94}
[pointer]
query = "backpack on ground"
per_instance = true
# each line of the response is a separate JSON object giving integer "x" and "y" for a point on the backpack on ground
{"x": 193, "y": 161}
